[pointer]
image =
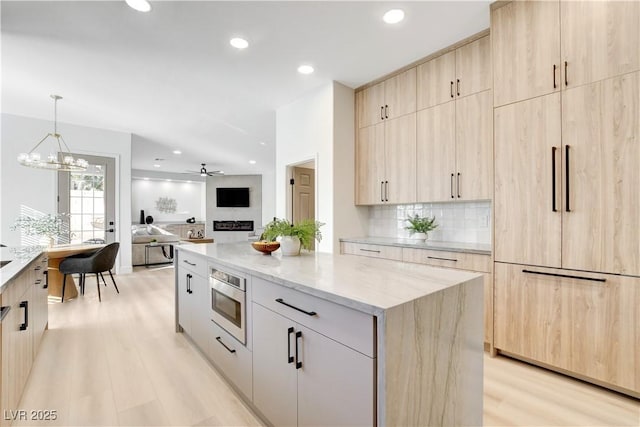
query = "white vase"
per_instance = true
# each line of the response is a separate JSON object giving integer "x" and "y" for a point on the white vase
{"x": 290, "y": 245}
{"x": 419, "y": 236}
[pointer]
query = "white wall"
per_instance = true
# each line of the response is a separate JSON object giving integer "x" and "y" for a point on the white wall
{"x": 189, "y": 197}
{"x": 320, "y": 126}
{"x": 37, "y": 189}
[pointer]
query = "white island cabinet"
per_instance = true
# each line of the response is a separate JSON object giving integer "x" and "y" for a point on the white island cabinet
{"x": 335, "y": 340}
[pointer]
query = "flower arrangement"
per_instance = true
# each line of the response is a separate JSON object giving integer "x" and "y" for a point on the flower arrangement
{"x": 306, "y": 230}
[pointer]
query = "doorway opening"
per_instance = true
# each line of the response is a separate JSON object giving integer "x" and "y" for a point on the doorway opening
{"x": 301, "y": 194}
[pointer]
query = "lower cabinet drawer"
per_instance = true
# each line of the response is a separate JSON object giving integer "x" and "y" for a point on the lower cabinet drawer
{"x": 345, "y": 325}
{"x": 460, "y": 260}
{"x": 373, "y": 251}
{"x": 232, "y": 358}
{"x": 192, "y": 262}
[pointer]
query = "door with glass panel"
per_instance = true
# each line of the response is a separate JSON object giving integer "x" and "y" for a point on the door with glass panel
{"x": 88, "y": 197}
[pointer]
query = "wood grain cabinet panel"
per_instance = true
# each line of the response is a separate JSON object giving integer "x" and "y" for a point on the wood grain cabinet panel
{"x": 370, "y": 165}
{"x": 400, "y": 159}
{"x": 587, "y": 326}
{"x": 372, "y": 251}
{"x": 600, "y": 39}
{"x": 370, "y": 105}
{"x": 400, "y": 94}
{"x": 436, "y": 81}
{"x": 601, "y": 135}
{"x": 525, "y": 48}
{"x": 473, "y": 68}
{"x": 527, "y": 229}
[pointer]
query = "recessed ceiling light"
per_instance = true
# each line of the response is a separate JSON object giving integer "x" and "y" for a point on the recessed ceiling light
{"x": 263, "y": 143}
{"x": 252, "y": 162}
{"x": 239, "y": 43}
{"x": 189, "y": 181}
{"x": 305, "y": 69}
{"x": 393, "y": 16}
{"x": 146, "y": 178}
{"x": 156, "y": 165}
{"x": 177, "y": 152}
{"x": 168, "y": 180}
{"x": 139, "y": 5}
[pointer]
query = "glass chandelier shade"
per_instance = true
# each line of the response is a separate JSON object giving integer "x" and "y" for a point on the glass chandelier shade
{"x": 59, "y": 157}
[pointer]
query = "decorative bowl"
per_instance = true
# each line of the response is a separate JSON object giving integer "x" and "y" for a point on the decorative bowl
{"x": 265, "y": 247}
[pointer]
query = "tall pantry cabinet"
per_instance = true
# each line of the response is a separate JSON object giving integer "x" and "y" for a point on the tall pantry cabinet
{"x": 567, "y": 186}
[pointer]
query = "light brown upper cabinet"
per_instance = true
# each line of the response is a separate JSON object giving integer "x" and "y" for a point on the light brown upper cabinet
{"x": 526, "y": 50}
{"x": 390, "y": 99}
{"x": 462, "y": 72}
{"x": 385, "y": 162}
{"x": 600, "y": 39}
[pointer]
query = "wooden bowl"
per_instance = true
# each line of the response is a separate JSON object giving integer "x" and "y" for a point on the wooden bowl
{"x": 265, "y": 247}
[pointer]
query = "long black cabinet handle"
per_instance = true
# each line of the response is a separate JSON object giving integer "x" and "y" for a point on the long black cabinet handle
{"x": 25, "y": 325}
{"x": 554, "y": 208}
{"x": 458, "y": 185}
{"x": 369, "y": 250}
{"x": 554, "y": 76}
{"x": 381, "y": 112}
{"x": 567, "y": 276}
{"x": 566, "y": 79}
{"x": 4, "y": 311}
{"x": 289, "y": 356}
{"x": 386, "y": 111}
{"x": 451, "y": 88}
{"x": 566, "y": 178}
{"x": 458, "y": 87}
{"x": 283, "y": 302}
{"x": 190, "y": 263}
{"x": 443, "y": 259}
{"x": 230, "y": 350}
{"x": 189, "y": 291}
{"x": 298, "y": 362}
{"x": 382, "y": 191}
{"x": 386, "y": 191}
{"x": 46, "y": 280}
{"x": 452, "y": 187}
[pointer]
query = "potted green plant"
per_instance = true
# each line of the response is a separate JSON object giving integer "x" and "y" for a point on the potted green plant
{"x": 293, "y": 237}
{"x": 420, "y": 226}
{"x": 49, "y": 225}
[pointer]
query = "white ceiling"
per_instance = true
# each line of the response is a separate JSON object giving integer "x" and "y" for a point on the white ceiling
{"x": 171, "y": 78}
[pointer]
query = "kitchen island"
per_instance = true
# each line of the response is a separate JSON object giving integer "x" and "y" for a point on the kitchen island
{"x": 339, "y": 340}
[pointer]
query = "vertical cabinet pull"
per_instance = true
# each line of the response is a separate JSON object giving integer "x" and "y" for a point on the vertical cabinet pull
{"x": 25, "y": 325}
{"x": 554, "y": 208}
{"x": 298, "y": 362}
{"x": 382, "y": 191}
{"x": 566, "y": 79}
{"x": 554, "y": 76}
{"x": 386, "y": 111}
{"x": 566, "y": 178}
{"x": 386, "y": 191}
{"x": 46, "y": 279}
{"x": 451, "y": 89}
{"x": 381, "y": 112}
{"x": 458, "y": 185}
{"x": 289, "y": 356}
{"x": 451, "y": 189}
{"x": 458, "y": 87}
{"x": 189, "y": 291}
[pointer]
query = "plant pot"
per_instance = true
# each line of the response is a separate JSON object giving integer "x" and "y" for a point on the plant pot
{"x": 419, "y": 236}
{"x": 290, "y": 245}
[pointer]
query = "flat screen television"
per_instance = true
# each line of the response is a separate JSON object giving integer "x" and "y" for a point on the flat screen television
{"x": 232, "y": 197}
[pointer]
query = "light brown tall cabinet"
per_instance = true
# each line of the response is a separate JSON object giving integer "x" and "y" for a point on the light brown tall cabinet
{"x": 567, "y": 187}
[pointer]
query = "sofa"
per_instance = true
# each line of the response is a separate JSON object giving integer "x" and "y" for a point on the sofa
{"x": 142, "y": 235}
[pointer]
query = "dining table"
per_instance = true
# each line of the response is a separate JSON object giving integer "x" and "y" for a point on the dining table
{"x": 56, "y": 254}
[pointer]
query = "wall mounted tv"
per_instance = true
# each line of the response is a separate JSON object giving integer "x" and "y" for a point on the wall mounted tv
{"x": 232, "y": 197}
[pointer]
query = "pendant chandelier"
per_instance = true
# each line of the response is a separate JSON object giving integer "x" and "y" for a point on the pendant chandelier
{"x": 57, "y": 159}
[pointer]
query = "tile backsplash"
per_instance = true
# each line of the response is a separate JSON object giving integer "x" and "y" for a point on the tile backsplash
{"x": 464, "y": 222}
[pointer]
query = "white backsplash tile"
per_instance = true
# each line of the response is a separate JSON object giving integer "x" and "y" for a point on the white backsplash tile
{"x": 464, "y": 222}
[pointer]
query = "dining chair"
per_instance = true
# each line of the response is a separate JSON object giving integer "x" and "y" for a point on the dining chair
{"x": 93, "y": 263}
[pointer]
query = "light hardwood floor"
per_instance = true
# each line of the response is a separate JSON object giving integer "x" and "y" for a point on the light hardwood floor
{"x": 120, "y": 362}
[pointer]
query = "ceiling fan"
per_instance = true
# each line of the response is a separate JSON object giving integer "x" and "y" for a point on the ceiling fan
{"x": 203, "y": 171}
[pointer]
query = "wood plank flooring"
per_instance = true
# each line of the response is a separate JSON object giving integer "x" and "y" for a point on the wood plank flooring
{"x": 120, "y": 362}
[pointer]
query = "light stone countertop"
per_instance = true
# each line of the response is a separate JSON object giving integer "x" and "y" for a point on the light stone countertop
{"x": 20, "y": 258}
{"x": 365, "y": 284}
{"x": 473, "y": 248}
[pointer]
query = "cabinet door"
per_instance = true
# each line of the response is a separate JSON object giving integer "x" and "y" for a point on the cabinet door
{"x": 370, "y": 165}
{"x": 474, "y": 147}
{"x": 601, "y": 131}
{"x": 527, "y": 229}
{"x": 436, "y": 81}
{"x": 184, "y": 300}
{"x": 274, "y": 377}
{"x": 525, "y": 47}
{"x": 335, "y": 383}
{"x": 400, "y": 94}
{"x": 200, "y": 307}
{"x": 436, "y": 153}
{"x": 40, "y": 305}
{"x": 473, "y": 67}
{"x": 586, "y": 327}
{"x": 600, "y": 39}
{"x": 370, "y": 105}
{"x": 400, "y": 159}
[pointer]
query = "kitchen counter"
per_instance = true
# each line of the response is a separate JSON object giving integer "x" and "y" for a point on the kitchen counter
{"x": 473, "y": 248}
{"x": 365, "y": 284}
{"x": 18, "y": 259}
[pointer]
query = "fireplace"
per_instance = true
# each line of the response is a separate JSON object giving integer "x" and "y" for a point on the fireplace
{"x": 232, "y": 225}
